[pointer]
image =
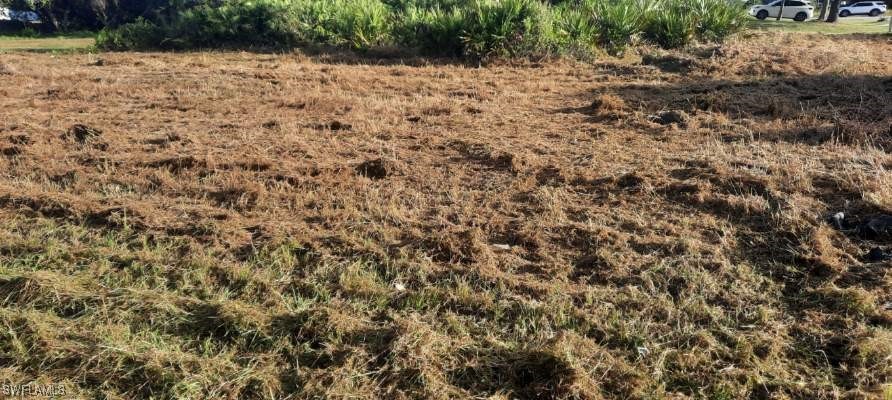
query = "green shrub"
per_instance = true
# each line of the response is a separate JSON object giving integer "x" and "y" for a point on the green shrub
{"x": 268, "y": 23}
{"x": 314, "y": 21}
{"x": 718, "y": 19}
{"x": 240, "y": 22}
{"x": 672, "y": 25}
{"x": 497, "y": 28}
{"x": 476, "y": 29}
{"x": 445, "y": 5}
{"x": 358, "y": 23}
{"x": 575, "y": 28}
{"x": 233, "y": 23}
{"x": 676, "y": 23}
{"x": 140, "y": 34}
{"x": 618, "y": 22}
{"x": 433, "y": 31}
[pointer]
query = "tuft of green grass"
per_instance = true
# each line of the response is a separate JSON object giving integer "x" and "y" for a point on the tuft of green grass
{"x": 46, "y": 43}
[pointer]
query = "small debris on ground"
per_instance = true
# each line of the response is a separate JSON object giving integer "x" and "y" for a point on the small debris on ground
{"x": 22, "y": 140}
{"x": 838, "y": 220}
{"x": 870, "y": 228}
{"x": 643, "y": 351}
{"x": 877, "y": 254}
{"x": 373, "y": 169}
{"x": 679, "y": 118}
{"x": 668, "y": 62}
{"x": 339, "y": 126}
{"x": 875, "y": 227}
{"x": 501, "y": 247}
{"x": 82, "y": 133}
{"x": 11, "y": 151}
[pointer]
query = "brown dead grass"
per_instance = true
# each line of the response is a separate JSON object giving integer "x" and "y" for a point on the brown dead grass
{"x": 246, "y": 225}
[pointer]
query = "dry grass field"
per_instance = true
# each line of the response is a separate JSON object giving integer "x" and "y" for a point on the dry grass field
{"x": 243, "y": 225}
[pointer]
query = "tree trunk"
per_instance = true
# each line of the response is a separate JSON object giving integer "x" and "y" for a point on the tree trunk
{"x": 781, "y": 12}
{"x": 823, "y": 10}
{"x": 834, "y": 11}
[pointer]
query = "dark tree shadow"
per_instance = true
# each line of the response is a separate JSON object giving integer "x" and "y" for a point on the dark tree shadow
{"x": 522, "y": 374}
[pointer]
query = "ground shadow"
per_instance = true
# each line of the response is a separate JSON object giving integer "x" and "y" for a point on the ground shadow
{"x": 818, "y": 111}
{"x": 808, "y": 109}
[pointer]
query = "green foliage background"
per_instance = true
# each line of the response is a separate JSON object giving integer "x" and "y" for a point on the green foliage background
{"x": 476, "y": 29}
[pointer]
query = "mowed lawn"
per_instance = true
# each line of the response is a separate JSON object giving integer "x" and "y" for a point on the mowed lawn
{"x": 55, "y": 43}
{"x": 847, "y": 25}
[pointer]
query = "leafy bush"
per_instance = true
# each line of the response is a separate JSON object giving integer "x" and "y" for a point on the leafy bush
{"x": 140, "y": 34}
{"x": 575, "y": 28}
{"x": 476, "y": 29}
{"x": 676, "y": 23}
{"x": 671, "y": 25}
{"x": 357, "y": 23}
{"x": 446, "y": 5}
{"x": 240, "y": 22}
{"x": 236, "y": 22}
{"x": 718, "y": 19}
{"x": 507, "y": 28}
{"x": 433, "y": 31}
{"x": 617, "y": 22}
{"x": 269, "y": 23}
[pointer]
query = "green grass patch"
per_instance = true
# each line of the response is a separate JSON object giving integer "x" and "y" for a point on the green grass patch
{"x": 842, "y": 26}
{"x": 47, "y": 43}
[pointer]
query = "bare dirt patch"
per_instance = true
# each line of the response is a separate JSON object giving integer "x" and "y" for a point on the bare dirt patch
{"x": 281, "y": 225}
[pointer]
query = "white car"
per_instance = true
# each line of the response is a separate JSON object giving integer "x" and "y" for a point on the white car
{"x": 798, "y": 10}
{"x": 21, "y": 16}
{"x": 872, "y": 8}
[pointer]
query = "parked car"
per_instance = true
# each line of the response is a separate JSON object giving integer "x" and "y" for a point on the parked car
{"x": 797, "y": 10}
{"x": 21, "y": 16}
{"x": 872, "y": 8}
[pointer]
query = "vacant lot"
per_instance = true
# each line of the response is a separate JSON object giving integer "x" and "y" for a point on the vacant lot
{"x": 240, "y": 225}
